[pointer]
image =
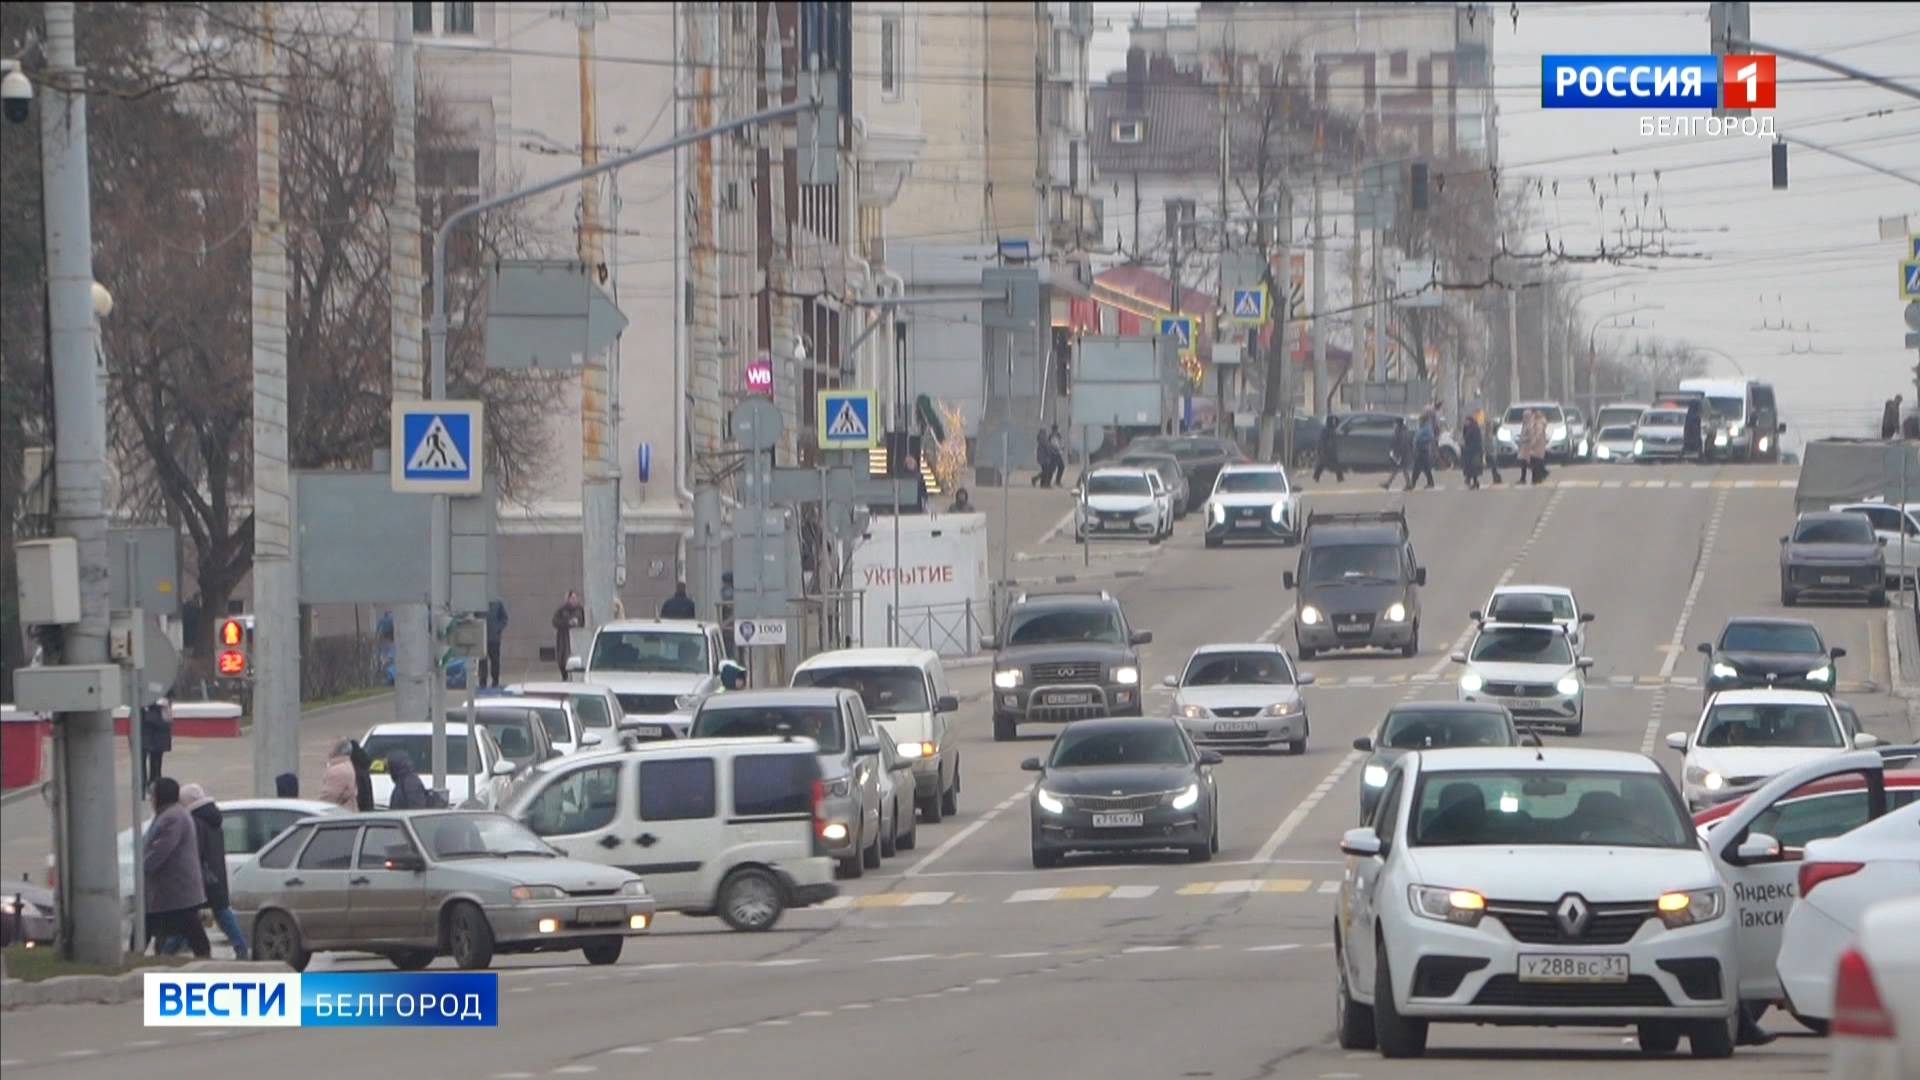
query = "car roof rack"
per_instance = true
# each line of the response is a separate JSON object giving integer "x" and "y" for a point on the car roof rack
{"x": 1357, "y": 517}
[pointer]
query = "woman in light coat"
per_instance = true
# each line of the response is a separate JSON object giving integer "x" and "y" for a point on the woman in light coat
{"x": 337, "y": 786}
{"x": 1533, "y": 435}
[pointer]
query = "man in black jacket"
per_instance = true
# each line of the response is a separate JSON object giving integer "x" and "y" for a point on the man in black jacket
{"x": 679, "y": 605}
{"x": 213, "y": 868}
{"x": 1401, "y": 453}
{"x": 1327, "y": 455}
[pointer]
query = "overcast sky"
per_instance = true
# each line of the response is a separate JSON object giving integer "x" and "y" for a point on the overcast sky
{"x": 1809, "y": 258}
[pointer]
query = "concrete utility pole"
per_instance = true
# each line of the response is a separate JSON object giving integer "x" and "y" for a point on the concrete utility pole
{"x": 1319, "y": 326}
{"x": 1513, "y": 345}
{"x": 412, "y": 641}
{"x": 276, "y": 593}
{"x": 1546, "y": 343}
{"x": 599, "y": 498}
{"x": 89, "y": 873}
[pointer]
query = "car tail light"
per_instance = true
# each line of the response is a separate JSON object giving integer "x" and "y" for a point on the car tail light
{"x": 1814, "y": 873}
{"x": 819, "y": 817}
{"x": 1857, "y": 1008}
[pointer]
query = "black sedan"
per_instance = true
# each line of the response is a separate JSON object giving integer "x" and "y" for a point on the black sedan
{"x": 1787, "y": 654}
{"x": 1124, "y": 784}
{"x": 1833, "y": 554}
{"x": 1428, "y": 725}
{"x": 1201, "y": 457}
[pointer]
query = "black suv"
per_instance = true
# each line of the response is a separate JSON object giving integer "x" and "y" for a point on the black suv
{"x": 1359, "y": 584}
{"x": 1064, "y": 657}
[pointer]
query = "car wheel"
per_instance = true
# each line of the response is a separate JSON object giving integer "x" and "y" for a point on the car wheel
{"x": 930, "y": 810}
{"x": 1713, "y": 1038}
{"x": 411, "y": 959}
{"x": 1004, "y": 727}
{"x": 1213, "y": 541}
{"x": 1412, "y": 647}
{"x": 1297, "y": 747}
{"x": 1398, "y": 1036}
{"x": 603, "y": 952}
{"x": 1044, "y": 859}
{"x": 1788, "y": 597}
{"x": 850, "y": 867}
{"x": 912, "y": 839}
{"x": 1659, "y": 1038}
{"x": 1353, "y": 1020}
{"x": 276, "y": 937}
{"x": 870, "y": 855}
{"x": 950, "y": 798}
{"x": 750, "y": 899}
{"x": 1215, "y": 842}
{"x": 469, "y": 937}
{"x": 1307, "y": 652}
{"x": 1878, "y": 599}
{"x": 888, "y": 840}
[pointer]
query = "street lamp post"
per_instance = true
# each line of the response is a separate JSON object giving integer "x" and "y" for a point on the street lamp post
{"x": 1594, "y": 330}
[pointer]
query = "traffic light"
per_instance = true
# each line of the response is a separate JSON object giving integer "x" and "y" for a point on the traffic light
{"x": 1780, "y": 165}
{"x": 1418, "y": 185}
{"x": 230, "y": 655}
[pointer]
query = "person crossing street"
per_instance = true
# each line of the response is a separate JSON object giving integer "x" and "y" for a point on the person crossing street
{"x": 1400, "y": 452}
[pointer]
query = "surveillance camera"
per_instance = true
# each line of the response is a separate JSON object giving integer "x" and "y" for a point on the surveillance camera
{"x": 17, "y": 91}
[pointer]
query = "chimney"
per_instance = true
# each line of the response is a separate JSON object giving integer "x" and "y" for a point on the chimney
{"x": 1136, "y": 79}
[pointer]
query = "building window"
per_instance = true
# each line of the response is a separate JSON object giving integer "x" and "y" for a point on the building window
{"x": 1128, "y": 131}
{"x": 449, "y": 179}
{"x": 454, "y": 18}
{"x": 890, "y": 56}
{"x": 423, "y": 18}
{"x": 1397, "y": 63}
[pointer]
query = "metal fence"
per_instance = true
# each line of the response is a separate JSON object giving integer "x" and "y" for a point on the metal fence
{"x": 949, "y": 629}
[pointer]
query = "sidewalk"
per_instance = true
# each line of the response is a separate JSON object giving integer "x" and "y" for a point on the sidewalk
{"x": 1031, "y": 514}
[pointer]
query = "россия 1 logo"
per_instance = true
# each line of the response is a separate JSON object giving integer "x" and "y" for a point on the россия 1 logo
{"x": 1649, "y": 81}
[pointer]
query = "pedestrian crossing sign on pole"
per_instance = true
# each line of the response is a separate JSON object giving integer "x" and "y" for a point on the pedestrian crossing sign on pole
{"x": 1250, "y": 306}
{"x": 1180, "y": 328}
{"x": 846, "y": 420}
{"x": 1910, "y": 279}
{"x": 438, "y": 447}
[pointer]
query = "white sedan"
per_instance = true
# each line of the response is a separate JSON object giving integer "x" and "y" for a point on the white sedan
{"x": 1241, "y": 696}
{"x": 1840, "y": 878}
{"x": 1745, "y": 737}
{"x": 1876, "y": 1023}
{"x": 1532, "y": 669}
{"x": 1538, "y": 886}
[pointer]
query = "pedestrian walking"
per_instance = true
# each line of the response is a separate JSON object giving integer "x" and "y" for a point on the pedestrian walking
{"x": 496, "y": 635}
{"x": 156, "y": 737}
{"x": 212, "y": 843}
{"x": 1890, "y": 417}
{"x": 1400, "y": 454}
{"x": 362, "y": 776}
{"x": 1057, "y": 450}
{"x": 1534, "y": 434}
{"x": 1523, "y": 448}
{"x": 679, "y": 605}
{"x": 337, "y": 783}
{"x": 1424, "y": 442}
{"x": 567, "y": 618}
{"x": 409, "y": 793}
{"x": 1470, "y": 452}
{"x": 176, "y": 884}
{"x": 1490, "y": 445}
{"x": 286, "y": 786}
{"x": 1327, "y": 453}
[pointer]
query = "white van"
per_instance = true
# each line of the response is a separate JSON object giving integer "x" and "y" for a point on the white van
{"x": 727, "y": 827}
{"x": 1741, "y": 420}
{"x": 906, "y": 691}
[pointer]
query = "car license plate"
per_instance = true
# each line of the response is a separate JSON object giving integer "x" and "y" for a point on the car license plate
{"x": 1835, "y": 579}
{"x": 1247, "y": 523}
{"x": 1228, "y": 727}
{"x": 651, "y": 731}
{"x": 1118, "y": 821}
{"x": 1354, "y": 628}
{"x": 1078, "y": 697}
{"x": 1573, "y": 967}
{"x": 599, "y": 916}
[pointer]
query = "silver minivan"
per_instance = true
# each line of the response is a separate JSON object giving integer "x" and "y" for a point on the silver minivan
{"x": 906, "y": 692}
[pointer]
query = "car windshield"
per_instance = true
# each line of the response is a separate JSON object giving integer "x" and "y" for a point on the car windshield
{"x": 1146, "y": 744}
{"x": 1549, "y": 806}
{"x": 1118, "y": 484}
{"x": 1068, "y": 625}
{"x": 1522, "y": 645}
{"x": 1846, "y": 529}
{"x": 1771, "y": 637}
{"x": 478, "y": 836}
{"x": 883, "y": 690}
{"x": 821, "y": 723}
{"x": 1521, "y": 606}
{"x": 512, "y": 730}
{"x": 1519, "y": 413}
{"x": 1253, "y": 480}
{"x": 1770, "y": 725}
{"x": 554, "y": 719}
{"x": 593, "y": 710}
{"x": 1353, "y": 562}
{"x": 1238, "y": 669}
{"x": 1427, "y": 729}
{"x": 649, "y": 650}
{"x": 419, "y": 748}
{"x": 1663, "y": 418}
{"x": 1615, "y": 414}
{"x": 1727, "y": 408}
{"x": 1617, "y": 431}
{"x": 1166, "y": 465}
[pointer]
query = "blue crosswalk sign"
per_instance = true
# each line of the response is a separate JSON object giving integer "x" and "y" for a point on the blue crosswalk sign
{"x": 1250, "y": 306}
{"x": 845, "y": 420}
{"x": 1910, "y": 279}
{"x": 437, "y": 447}
{"x": 1180, "y": 329}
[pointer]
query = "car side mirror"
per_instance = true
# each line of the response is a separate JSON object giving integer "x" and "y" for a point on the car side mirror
{"x": 1781, "y": 430}
{"x": 1286, "y": 579}
{"x": 1364, "y": 744}
{"x": 1170, "y": 681}
{"x": 1783, "y": 539}
{"x": 1305, "y": 678}
{"x": 575, "y": 665}
{"x": 1704, "y": 649}
{"x": 867, "y": 747}
{"x": 947, "y": 703}
{"x": 1141, "y": 637}
{"x": 1584, "y": 663}
{"x": 1420, "y": 576}
{"x": 1586, "y": 616}
{"x": 408, "y": 861}
{"x": 1476, "y": 616}
{"x": 1458, "y": 658}
{"x": 1883, "y": 541}
{"x": 1363, "y": 843}
{"x": 1864, "y": 741}
{"x": 1757, "y": 848}
{"x": 1677, "y": 740}
{"x": 590, "y": 739}
{"x": 1032, "y": 764}
{"x": 988, "y": 644}
{"x": 1211, "y": 757}
{"x": 505, "y": 768}
{"x": 1837, "y": 652}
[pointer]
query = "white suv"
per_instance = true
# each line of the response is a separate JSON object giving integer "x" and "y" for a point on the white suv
{"x": 1744, "y": 738}
{"x": 1533, "y": 669}
{"x": 1539, "y": 886}
{"x": 1124, "y": 502}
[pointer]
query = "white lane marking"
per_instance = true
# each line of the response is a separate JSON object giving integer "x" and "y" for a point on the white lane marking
{"x": 1026, "y": 896}
{"x": 790, "y": 962}
{"x": 79, "y": 1053}
{"x": 926, "y": 899}
{"x": 856, "y": 1006}
{"x": 1299, "y": 813}
{"x": 728, "y": 1031}
{"x": 1151, "y": 949}
{"x": 633, "y": 1050}
{"x": 688, "y": 1038}
{"x": 778, "y": 1021}
{"x": 816, "y": 1014}
{"x": 1020, "y": 955}
{"x": 1329, "y": 887}
{"x": 961, "y": 837}
{"x": 575, "y": 1070}
{"x": 1272, "y": 948}
{"x": 903, "y": 958}
{"x": 513, "y": 1076}
{"x": 1228, "y": 888}
{"x": 1272, "y": 633}
{"x": 986, "y": 980}
{"x": 1060, "y": 526}
{"x": 1132, "y": 892}
{"x": 1707, "y": 543}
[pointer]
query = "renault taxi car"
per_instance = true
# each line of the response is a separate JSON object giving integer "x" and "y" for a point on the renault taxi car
{"x": 1532, "y": 669}
{"x": 1745, "y": 737}
{"x": 1532, "y": 886}
{"x": 1242, "y": 696}
{"x": 1252, "y": 502}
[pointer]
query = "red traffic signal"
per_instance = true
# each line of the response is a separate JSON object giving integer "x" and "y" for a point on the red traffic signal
{"x": 232, "y": 634}
{"x": 232, "y": 662}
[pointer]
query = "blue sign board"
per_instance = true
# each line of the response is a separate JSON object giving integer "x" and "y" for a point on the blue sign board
{"x": 438, "y": 447}
{"x": 1180, "y": 329}
{"x": 846, "y": 420}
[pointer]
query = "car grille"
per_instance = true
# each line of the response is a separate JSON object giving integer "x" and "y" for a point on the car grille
{"x": 1510, "y": 689}
{"x": 1238, "y": 712}
{"x": 1814, "y": 575}
{"x": 648, "y": 704}
{"x": 1353, "y": 623}
{"x": 1639, "y": 991}
{"x": 1535, "y": 924}
{"x": 1106, "y": 803}
{"x": 593, "y": 892}
{"x": 1066, "y": 673}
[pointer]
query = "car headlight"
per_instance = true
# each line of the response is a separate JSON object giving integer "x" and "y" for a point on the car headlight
{"x": 538, "y": 892}
{"x": 1724, "y": 670}
{"x": 1824, "y": 673}
{"x": 1557, "y": 432}
{"x": 1461, "y": 906}
{"x": 686, "y": 701}
{"x": 916, "y": 749}
{"x": 1126, "y": 675}
{"x": 1720, "y": 438}
{"x": 1049, "y": 801}
{"x": 634, "y": 888}
{"x": 1279, "y": 512}
{"x": 1374, "y": 776}
{"x": 1186, "y": 798}
{"x": 1679, "y": 909}
{"x": 1194, "y": 712}
{"x": 1639, "y": 446}
{"x": 1700, "y": 776}
{"x": 1764, "y": 443}
{"x": 1309, "y": 615}
{"x": 1397, "y": 613}
{"x": 1007, "y": 678}
{"x": 1602, "y": 453}
{"x": 1218, "y": 513}
{"x": 1504, "y": 435}
{"x": 1735, "y": 430}
{"x": 1472, "y": 683}
{"x": 1283, "y": 708}
{"x": 1568, "y": 685}
{"x": 839, "y": 787}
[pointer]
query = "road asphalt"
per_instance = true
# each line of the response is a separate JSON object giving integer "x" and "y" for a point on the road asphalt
{"x": 960, "y": 960}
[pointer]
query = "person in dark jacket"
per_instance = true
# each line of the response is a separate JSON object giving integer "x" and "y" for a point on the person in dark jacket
{"x": 1042, "y": 458}
{"x": 1890, "y": 417}
{"x": 176, "y": 884}
{"x": 1471, "y": 450}
{"x": 568, "y": 617}
{"x": 213, "y": 867}
{"x": 1400, "y": 453}
{"x": 1424, "y": 442}
{"x": 156, "y": 738}
{"x": 362, "y": 776}
{"x": 409, "y": 793}
{"x": 679, "y": 605}
{"x": 1327, "y": 454}
{"x": 496, "y": 633}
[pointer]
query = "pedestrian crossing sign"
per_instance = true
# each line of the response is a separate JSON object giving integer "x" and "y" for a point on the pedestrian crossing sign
{"x": 438, "y": 447}
{"x": 1250, "y": 306}
{"x": 1179, "y": 328}
{"x": 845, "y": 419}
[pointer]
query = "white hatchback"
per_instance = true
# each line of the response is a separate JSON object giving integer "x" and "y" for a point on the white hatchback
{"x": 1840, "y": 878}
{"x": 1537, "y": 886}
{"x": 1746, "y": 737}
{"x": 1124, "y": 502}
